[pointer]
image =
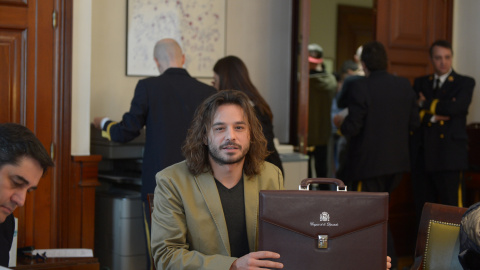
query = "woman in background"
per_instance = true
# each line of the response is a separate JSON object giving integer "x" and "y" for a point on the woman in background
{"x": 230, "y": 73}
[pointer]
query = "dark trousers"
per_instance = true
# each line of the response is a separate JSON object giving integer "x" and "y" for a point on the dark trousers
{"x": 434, "y": 186}
{"x": 437, "y": 187}
{"x": 319, "y": 155}
{"x": 384, "y": 183}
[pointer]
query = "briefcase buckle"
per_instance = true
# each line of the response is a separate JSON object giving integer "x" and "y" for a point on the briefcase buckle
{"x": 323, "y": 241}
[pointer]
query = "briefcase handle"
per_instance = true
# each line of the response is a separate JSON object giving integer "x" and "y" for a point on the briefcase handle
{"x": 305, "y": 184}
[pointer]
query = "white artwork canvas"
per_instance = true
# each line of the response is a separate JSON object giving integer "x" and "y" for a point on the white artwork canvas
{"x": 197, "y": 25}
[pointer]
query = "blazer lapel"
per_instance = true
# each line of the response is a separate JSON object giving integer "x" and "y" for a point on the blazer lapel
{"x": 251, "y": 194}
{"x": 207, "y": 186}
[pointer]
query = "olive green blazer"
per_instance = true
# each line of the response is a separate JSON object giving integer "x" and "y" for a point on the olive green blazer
{"x": 188, "y": 226}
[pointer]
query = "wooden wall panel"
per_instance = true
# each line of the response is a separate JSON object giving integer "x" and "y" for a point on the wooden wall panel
{"x": 79, "y": 211}
{"x": 12, "y": 63}
{"x": 35, "y": 90}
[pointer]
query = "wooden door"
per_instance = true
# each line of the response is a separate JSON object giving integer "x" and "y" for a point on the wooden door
{"x": 355, "y": 27}
{"x": 407, "y": 28}
{"x": 33, "y": 78}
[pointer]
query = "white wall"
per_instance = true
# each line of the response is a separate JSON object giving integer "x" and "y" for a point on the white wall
{"x": 257, "y": 31}
{"x": 81, "y": 50}
{"x": 466, "y": 41}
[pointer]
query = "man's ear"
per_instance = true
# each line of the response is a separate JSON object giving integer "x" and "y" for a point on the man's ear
{"x": 205, "y": 140}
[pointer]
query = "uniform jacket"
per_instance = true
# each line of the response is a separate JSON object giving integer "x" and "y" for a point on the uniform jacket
{"x": 322, "y": 89}
{"x": 165, "y": 105}
{"x": 444, "y": 142}
{"x": 189, "y": 230}
{"x": 382, "y": 111}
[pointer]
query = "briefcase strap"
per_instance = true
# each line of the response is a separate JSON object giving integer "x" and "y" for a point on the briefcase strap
{"x": 305, "y": 184}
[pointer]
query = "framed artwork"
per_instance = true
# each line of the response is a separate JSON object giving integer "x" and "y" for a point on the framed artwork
{"x": 197, "y": 25}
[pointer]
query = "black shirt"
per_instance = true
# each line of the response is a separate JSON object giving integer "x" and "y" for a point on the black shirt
{"x": 233, "y": 204}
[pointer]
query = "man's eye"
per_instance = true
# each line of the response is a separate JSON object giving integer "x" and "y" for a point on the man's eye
{"x": 17, "y": 182}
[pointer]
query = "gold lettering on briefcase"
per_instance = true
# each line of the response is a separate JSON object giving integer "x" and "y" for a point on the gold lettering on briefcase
{"x": 323, "y": 241}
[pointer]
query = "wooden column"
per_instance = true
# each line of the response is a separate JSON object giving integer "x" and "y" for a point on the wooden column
{"x": 78, "y": 220}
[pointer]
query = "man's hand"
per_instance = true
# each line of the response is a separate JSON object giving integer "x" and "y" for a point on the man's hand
{"x": 421, "y": 99}
{"x": 440, "y": 118}
{"x": 97, "y": 121}
{"x": 389, "y": 262}
{"x": 254, "y": 260}
{"x": 337, "y": 120}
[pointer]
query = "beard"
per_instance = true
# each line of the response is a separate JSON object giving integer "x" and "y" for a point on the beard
{"x": 216, "y": 155}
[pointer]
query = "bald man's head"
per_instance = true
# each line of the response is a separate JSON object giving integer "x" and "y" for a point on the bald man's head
{"x": 167, "y": 54}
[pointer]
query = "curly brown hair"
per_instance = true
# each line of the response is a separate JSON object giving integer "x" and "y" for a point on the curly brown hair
{"x": 194, "y": 148}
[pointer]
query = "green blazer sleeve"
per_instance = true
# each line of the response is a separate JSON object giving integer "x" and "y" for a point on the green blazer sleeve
{"x": 188, "y": 226}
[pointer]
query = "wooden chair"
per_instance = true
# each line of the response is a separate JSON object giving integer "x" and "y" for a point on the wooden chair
{"x": 437, "y": 239}
{"x": 150, "y": 203}
{"x": 150, "y": 207}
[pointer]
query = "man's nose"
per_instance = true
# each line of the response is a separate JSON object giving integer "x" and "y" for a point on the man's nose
{"x": 19, "y": 198}
{"x": 230, "y": 134}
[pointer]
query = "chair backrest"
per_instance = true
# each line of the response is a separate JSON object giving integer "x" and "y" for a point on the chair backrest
{"x": 437, "y": 239}
{"x": 150, "y": 203}
{"x": 150, "y": 207}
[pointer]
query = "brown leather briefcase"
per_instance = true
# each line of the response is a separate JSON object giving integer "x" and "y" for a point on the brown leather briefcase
{"x": 324, "y": 229}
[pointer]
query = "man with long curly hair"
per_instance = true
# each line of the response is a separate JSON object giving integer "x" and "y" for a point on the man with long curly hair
{"x": 206, "y": 207}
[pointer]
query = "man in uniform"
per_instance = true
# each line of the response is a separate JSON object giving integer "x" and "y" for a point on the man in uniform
{"x": 439, "y": 147}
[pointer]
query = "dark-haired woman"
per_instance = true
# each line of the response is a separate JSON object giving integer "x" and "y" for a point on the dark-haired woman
{"x": 230, "y": 73}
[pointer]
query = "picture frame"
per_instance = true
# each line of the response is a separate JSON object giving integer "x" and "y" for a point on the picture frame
{"x": 197, "y": 25}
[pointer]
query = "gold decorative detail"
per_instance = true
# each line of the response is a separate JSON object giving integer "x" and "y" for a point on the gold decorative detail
{"x": 450, "y": 78}
{"x": 428, "y": 235}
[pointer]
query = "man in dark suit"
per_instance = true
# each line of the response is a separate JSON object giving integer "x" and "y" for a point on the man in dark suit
{"x": 439, "y": 147}
{"x": 165, "y": 105}
{"x": 23, "y": 161}
{"x": 382, "y": 111}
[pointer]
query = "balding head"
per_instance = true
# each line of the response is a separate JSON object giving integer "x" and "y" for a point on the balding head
{"x": 167, "y": 54}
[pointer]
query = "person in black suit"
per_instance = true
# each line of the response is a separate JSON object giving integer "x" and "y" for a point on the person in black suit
{"x": 23, "y": 161}
{"x": 165, "y": 105}
{"x": 439, "y": 147}
{"x": 382, "y": 111}
{"x": 230, "y": 73}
